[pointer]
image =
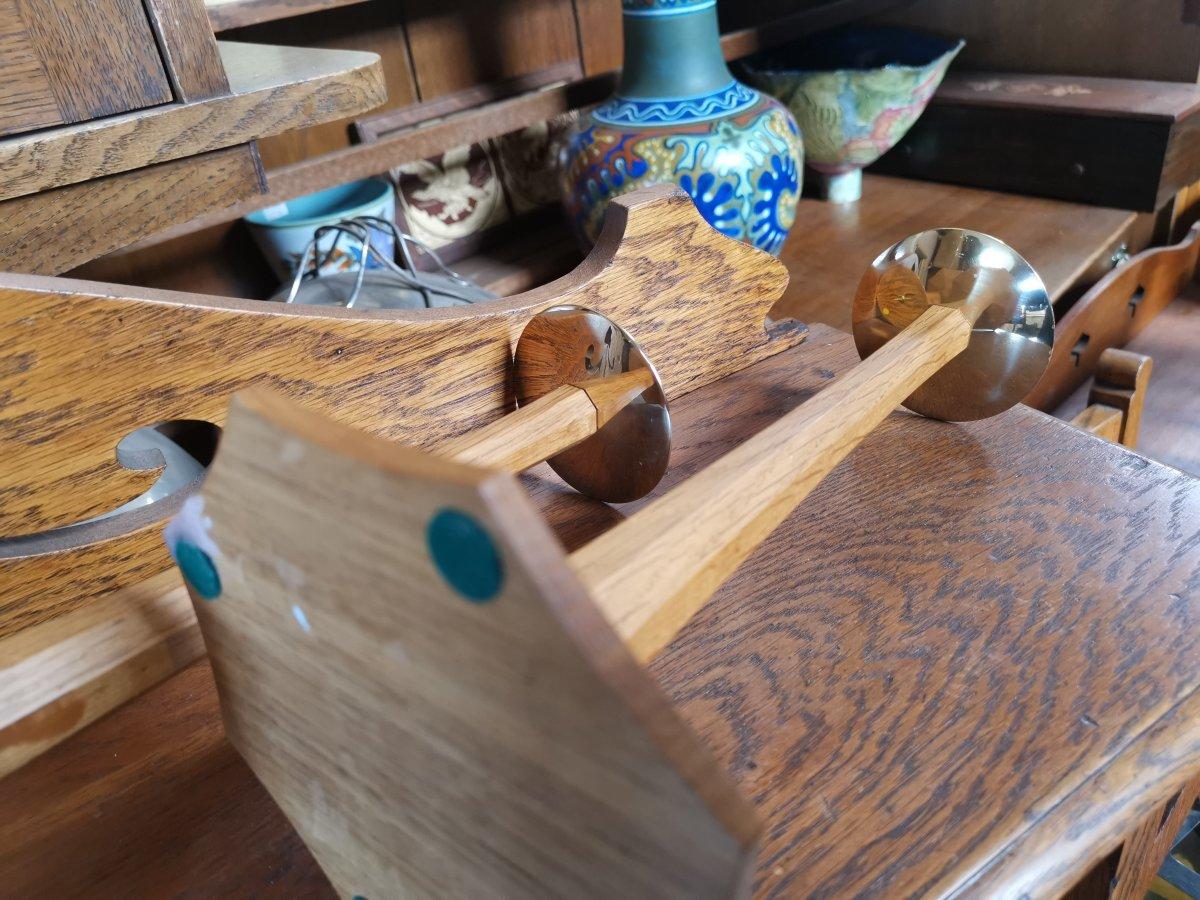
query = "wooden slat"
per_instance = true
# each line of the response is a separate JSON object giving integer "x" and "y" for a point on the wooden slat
{"x": 1100, "y": 420}
{"x": 365, "y": 160}
{"x": 272, "y": 89}
{"x": 65, "y": 674}
{"x": 455, "y": 46}
{"x": 225, "y": 14}
{"x": 193, "y": 60}
{"x": 377, "y": 125}
{"x": 110, "y": 212}
{"x": 1145, "y": 849}
{"x": 1170, "y": 429}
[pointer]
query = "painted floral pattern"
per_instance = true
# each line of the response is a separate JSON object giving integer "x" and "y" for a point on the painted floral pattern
{"x": 743, "y": 171}
{"x": 851, "y": 117}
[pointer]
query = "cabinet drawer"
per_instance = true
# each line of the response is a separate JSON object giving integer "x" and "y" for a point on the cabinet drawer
{"x": 68, "y": 62}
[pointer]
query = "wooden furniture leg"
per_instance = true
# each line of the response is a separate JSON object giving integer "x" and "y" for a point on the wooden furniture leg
{"x": 1114, "y": 410}
{"x": 1144, "y": 850}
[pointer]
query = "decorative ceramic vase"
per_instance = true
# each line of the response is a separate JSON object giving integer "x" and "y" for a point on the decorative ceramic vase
{"x": 855, "y": 92}
{"x": 679, "y": 116}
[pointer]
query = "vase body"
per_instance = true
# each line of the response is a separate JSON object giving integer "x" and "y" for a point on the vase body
{"x": 680, "y": 117}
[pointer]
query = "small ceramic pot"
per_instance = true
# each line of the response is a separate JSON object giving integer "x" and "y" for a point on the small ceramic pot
{"x": 680, "y": 117}
{"x": 284, "y": 230}
{"x": 855, "y": 92}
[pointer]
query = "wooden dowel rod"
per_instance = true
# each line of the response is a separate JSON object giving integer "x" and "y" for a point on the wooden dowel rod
{"x": 548, "y": 425}
{"x": 652, "y": 572}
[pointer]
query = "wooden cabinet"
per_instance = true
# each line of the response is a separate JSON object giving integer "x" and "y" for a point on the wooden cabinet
{"x": 118, "y": 120}
{"x": 69, "y": 62}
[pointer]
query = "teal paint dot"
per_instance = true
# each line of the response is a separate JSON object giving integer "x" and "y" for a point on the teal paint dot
{"x": 465, "y": 555}
{"x": 198, "y": 569}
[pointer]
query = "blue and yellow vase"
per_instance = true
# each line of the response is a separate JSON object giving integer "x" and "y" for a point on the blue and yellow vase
{"x": 679, "y": 116}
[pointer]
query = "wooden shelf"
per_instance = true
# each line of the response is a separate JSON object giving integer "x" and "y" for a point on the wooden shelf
{"x": 485, "y": 121}
{"x": 272, "y": 90}
{"x": 226, "y": 14}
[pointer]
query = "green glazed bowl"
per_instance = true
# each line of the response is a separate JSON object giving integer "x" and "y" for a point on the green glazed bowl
{"x": 855, "y": 92}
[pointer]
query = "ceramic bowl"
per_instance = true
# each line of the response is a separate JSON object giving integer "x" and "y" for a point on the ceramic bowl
{"x": 284, "y": 230}
{"x": 855, "y": 92}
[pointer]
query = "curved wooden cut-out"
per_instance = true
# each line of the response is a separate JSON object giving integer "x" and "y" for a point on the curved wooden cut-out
{"x": 83, "y": 363}
{"x": 1112, "y": 313}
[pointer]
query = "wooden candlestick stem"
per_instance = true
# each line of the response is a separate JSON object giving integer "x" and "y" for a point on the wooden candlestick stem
{"x": 548, "y": 425}
{"x": 652, "y": 572}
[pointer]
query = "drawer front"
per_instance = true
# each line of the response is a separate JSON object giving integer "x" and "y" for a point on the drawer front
{"x": 64, "y": 62}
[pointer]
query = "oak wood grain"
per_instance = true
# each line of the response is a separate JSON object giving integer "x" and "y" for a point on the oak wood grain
{"x": 73, "y": 62}
{"x": 440, "y": 712}
{"x": 1145, "y": 850}
{"x": 68, "y": 671}
{"x": 110, "y": 212}
{"x": 909, "y": 702}
{"x": 27, "y": 98}
{"x": 272, "y": 89}
{"x": 420, "y": 377}
{"x": 65, "y": 674}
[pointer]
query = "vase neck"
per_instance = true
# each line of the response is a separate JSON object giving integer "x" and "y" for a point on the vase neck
{"x": 672, "y": 49}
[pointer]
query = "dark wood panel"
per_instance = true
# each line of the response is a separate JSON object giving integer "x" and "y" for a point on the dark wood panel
{"x": 909, "y": 706}
{"x": 226, "y": 14}
{"x": 600, "y": 41}
{"x": 1156, "y": 39}
{"x": 1111, "y": 142}
{"x": 458, "y": 45}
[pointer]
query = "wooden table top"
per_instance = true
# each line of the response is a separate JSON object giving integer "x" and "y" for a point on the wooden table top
{"x": 971, "y": 659}
{"x": 832, "y": 244}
